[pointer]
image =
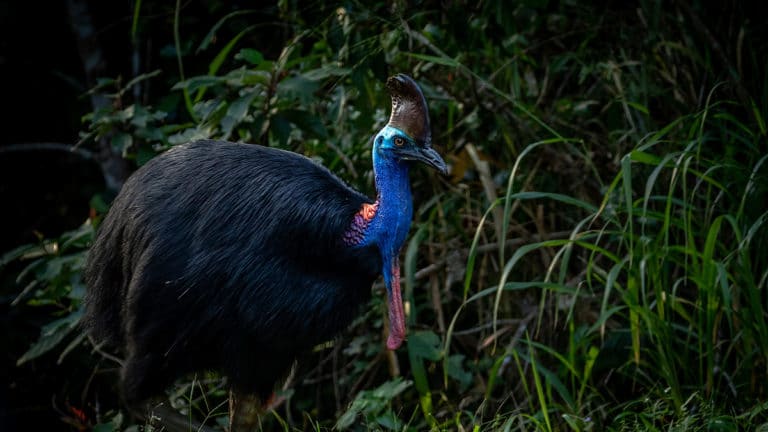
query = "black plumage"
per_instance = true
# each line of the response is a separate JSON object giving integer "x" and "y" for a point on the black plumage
{"x": 195, "y": 269}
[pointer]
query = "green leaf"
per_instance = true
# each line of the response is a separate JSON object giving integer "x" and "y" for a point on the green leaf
{"x": 222, "y": 55}
{"x": 122, "y": 142}
{"x": 250, "y": 55}
{"x": 111, "y": 426}
{"x": 198, "y": 82}
{"x": 388, "y": 420}
{"x": 425, "y": 344}
{"x": 135, "y": 21}
{"x": 445, "y": 61}
{"x": 17, "y": 253}
{"x": 236, "y": 112}
{"x": 307, "y": 122}
{"x": 391, "y": 389}
{"x": 644, "y": 157}
{"x": 212, "y": 32}
{"x": 280, "y": 128}
{"x": 325, "y": 72}
{"x": 371, "y": 403}
{"x": 759, "y": 117}
{"x": 144, "y": 155}
{"x": 140, "y": 78}
{"x": 642, "y": 108}
{"x": 51, "y": 335}
{"x": 187, "y": 135}
{"x": 215, "y": 65}
{"x": 457, "y": 371}
{"x": 243, "y": 77}
{"x": 297, "y": 88}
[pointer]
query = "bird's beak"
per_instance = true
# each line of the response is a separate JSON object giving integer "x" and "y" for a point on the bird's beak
{"x": 426, "y": 155}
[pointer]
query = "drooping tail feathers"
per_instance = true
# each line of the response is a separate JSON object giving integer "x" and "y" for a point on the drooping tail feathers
{"x": 105, "y": 279}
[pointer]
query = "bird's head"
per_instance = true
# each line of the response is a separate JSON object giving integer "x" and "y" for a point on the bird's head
{"x": 407, "y": 136}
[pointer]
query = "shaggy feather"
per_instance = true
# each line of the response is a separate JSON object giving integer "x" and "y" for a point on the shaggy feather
{"x": 216, "y": 251}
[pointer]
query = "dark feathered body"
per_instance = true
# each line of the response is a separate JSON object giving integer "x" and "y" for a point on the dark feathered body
{"x": 225, "y": 256}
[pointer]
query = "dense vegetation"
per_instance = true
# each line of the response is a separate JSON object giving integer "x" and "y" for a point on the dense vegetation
{"x": 595, "y": 261}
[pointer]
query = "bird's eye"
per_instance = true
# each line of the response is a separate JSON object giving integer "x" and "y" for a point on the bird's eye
{"x": 399, "y": 141}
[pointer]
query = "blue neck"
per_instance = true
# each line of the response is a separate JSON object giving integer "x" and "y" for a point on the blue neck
{"x": 389, "y": 227}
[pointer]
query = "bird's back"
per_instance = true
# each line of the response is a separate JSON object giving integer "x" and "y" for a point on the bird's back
{"x": 218, "y": 247}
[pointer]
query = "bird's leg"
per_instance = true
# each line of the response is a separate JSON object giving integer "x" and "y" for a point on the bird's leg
{"x": 244, "y": 410}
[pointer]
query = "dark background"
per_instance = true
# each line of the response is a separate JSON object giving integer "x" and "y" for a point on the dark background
{"x": 43, "y": 192}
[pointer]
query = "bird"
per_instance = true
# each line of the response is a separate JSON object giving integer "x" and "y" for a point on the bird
{"x": 239, "y": 257}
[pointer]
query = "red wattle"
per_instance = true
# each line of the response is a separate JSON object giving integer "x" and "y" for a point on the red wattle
{"x": 396, "y": 315}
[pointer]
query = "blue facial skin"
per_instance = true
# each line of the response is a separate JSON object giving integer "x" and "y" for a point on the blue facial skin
{"x": 390, "y": 225}
{"x": 393, "y": 152}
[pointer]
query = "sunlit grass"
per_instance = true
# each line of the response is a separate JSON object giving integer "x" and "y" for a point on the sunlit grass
{"x": 667, "y": 253}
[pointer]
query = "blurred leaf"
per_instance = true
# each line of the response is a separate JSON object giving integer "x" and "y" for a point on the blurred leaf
{"x": 306, "y": 122}
{"x": 722, "y": 424}
{"x": 209, "y": 38}
{"x": 759, "y": 118}
{"x": 122, "y": 142}
{"x": 17, "y": 253}
{"x": 388, "y": 420}
{"x": 144, "y": 155}
{"x": 298, "y": 88}
{"x": 195, "y": 83}
{"x": 445, "y": 61}
{"x": 213, "y": 68}
{"x": 139, "y": 78}
{"x": 643, "y": 109}
{"x": 457, "y": 371}
{"x": 187, "y": 135}
{"x": 326, "y": 72}
{"x": 236, "y": 112}
{"x": 250, "y": 55}
{"x": 135, "y": 21}
{"x": 71, "y": 346}
{"x": 425, "y": 344}
{"x": 112, "y": 426}
{"x": 51, "y": 335}
{"x": 280, "y": 128}
{"x": 372, "y": 402}
{"x": 243, "y": 77}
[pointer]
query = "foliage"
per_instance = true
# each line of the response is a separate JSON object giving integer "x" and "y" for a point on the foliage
{"x": 596, "y": 259}
{"x": 54, "y": 280}
{"x": 373, "y": 404}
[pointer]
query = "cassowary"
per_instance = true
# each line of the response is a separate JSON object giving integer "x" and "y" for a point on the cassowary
{"x": 238, "y": 258}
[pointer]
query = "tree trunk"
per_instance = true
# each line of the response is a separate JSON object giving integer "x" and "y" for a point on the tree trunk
{"x": 113, "y": 167}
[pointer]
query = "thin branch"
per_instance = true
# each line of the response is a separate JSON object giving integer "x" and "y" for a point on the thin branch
{"x": 114, "y": 168}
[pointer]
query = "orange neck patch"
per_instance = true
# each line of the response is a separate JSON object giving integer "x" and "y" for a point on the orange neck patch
{"x": 368, "y": 211}
{"x": 356, "y": 231}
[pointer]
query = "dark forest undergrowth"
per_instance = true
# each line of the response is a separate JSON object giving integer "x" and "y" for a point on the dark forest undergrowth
{"x": 596, "y": 259}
